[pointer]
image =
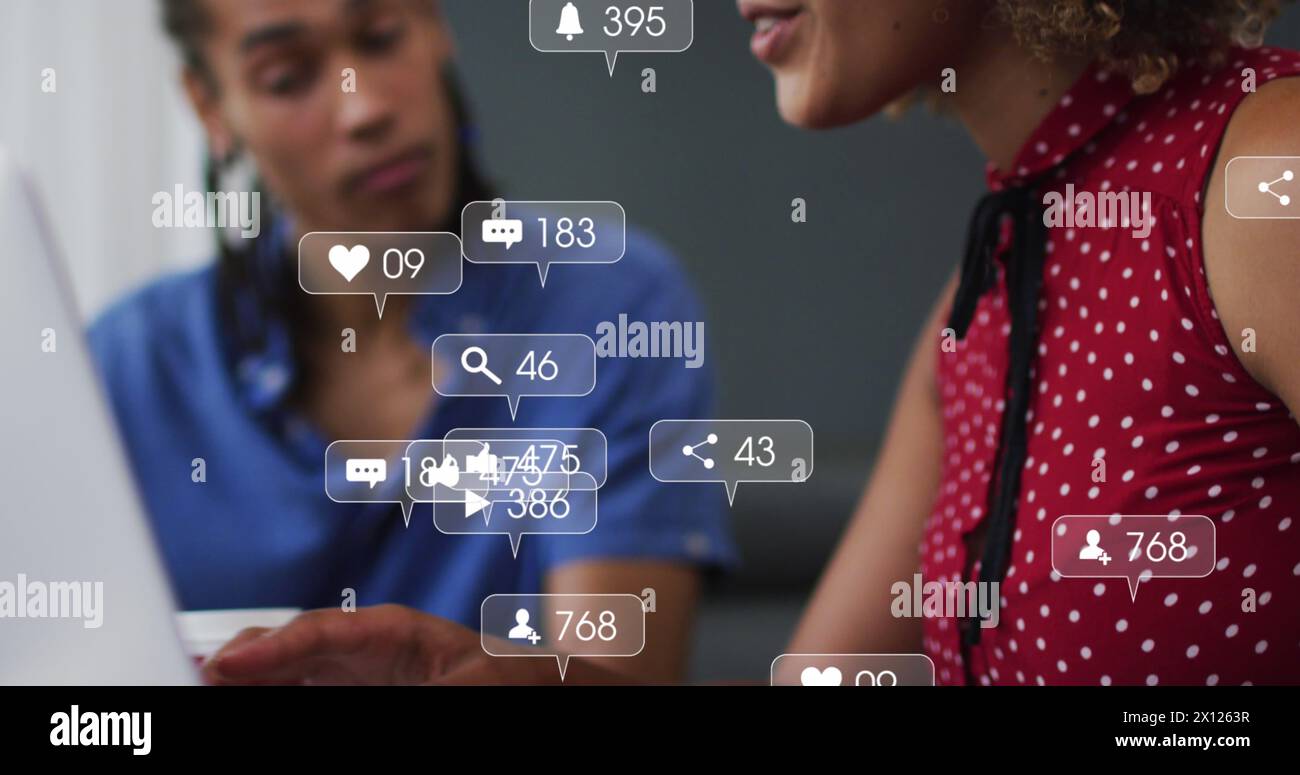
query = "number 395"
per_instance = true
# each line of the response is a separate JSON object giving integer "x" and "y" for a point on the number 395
{"x": 635, "y": 19}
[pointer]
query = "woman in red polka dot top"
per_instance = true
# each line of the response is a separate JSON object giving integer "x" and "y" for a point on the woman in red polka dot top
{"x": 1081, "y": 363}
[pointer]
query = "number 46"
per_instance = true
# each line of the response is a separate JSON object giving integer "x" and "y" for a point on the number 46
{"x": 544, "y": 369}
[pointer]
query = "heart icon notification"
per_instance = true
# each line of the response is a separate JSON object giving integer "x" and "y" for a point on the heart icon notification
{"x": 811, "y": 676}
{"x": 379, "y": 264}
{"x": 349, "y": 262}
{"x": 852, "y": 670}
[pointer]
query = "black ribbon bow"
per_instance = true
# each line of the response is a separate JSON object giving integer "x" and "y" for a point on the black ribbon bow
{"x": 1024, "y": 276}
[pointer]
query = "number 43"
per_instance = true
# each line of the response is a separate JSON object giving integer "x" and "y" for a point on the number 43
{"x": 765, "y": 457}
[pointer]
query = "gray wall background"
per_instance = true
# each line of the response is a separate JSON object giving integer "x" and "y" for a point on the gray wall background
{"x": 811, "y": 321}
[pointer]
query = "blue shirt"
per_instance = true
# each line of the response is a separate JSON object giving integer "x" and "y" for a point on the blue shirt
{"x": 261, "y": 532}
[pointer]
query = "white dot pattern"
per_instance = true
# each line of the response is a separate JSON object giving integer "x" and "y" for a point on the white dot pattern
{"x": 1132, "y": 363}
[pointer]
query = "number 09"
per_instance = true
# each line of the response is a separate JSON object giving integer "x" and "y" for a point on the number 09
{"x": 412, "y": 259}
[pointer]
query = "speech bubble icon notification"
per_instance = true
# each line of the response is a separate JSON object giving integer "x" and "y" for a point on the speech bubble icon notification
{"x": 370, "y": 471}
{"x": 1135, "y": 547}
{"x": 583, "y": 453}
{"x": 731, "y": 451}
{"x": 562, "y": 626}
{"x": 558, "y": 233}
{"x": 503, "y": 231}
{"x": 1262, "y": 187}
{"x": 465, "y": 478}
{"x": 852, "y": 670}
{"x": 524, "y": 511}
{"x": 611, "y": 27}
{"x": 356, "y": 471}
{"x": 380, "y": 264}
{"x": 512, "y": 366}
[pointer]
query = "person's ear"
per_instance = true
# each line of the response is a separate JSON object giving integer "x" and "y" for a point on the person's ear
{"x": 202, "y": 96}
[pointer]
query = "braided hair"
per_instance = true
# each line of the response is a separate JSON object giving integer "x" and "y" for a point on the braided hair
{"x": 255, "y": 272}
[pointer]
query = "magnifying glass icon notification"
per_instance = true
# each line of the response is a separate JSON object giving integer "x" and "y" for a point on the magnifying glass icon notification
{"x": 472, "y": 354}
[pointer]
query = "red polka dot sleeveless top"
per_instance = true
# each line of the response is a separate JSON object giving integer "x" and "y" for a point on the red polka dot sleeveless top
{"x": 1132, "y": 368}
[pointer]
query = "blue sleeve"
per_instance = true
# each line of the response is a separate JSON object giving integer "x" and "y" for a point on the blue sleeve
{"x": 147, "y": 340}
{"x": 637, "y": 516}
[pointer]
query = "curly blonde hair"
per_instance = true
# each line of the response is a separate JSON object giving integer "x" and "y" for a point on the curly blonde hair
{"x": 1143, "y": 40}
